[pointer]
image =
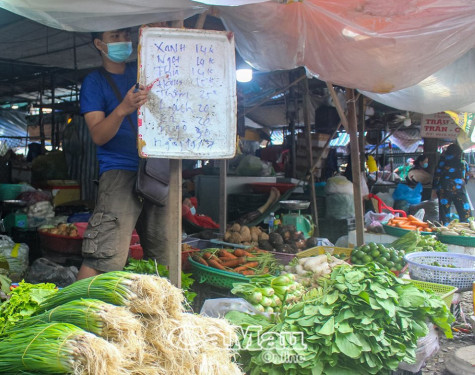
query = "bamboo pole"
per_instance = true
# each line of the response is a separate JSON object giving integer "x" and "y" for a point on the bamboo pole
{"x": 355, "y": 165}
{"x": 313, "y": 196}
{"x": 361, "y": 130}
{"x": 337, "y": 104}
{"x": 223, "y": 196}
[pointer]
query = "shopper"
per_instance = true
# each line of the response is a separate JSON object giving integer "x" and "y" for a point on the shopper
{"x": 418, "y": 172}
{"x": 118, "y": 209}
{"x": 449, "y": 184}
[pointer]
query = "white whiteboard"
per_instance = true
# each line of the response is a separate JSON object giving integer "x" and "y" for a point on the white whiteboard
{"x": 191, "y": 107}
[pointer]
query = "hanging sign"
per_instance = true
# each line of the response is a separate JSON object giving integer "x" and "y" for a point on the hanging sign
{"x": 191, "y": 107}
{"x": 439, "y": 125}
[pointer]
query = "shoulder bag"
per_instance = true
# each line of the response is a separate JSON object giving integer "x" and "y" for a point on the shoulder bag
{"x": 153, "y": 174}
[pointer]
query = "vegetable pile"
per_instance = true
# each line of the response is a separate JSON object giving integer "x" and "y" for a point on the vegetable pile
{"x": 286, "y": 239}
{"x": 245, "y": 262}
{"x": 386, "y": 256}
{"x": 309, "y": 271}
{"x": 114, "y": 323}
{"x": 24, "y": 301}
{"x": 364, "y": 320}
{"x": 410, "y": 223}
{"x": 456, "y": 228}
{"x": 63, "y": 229}
{"x": 244, "y": 235}
{"x": 267, "y": 293}
{"x": 413, "y": 241}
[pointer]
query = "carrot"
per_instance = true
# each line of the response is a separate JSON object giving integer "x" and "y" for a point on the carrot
{"x": 415, "y": 219}
{"x": 209, "y": 256}
{"x": 243, "y": 253}
{"x": 406, "y": 226}
{"x": 199, "y": 259}
{"x": 248, "y": 272}
{"x": 246, "y": 266}
{"x": 215, "y": 264}
{"x": 226, "y": 254}
{"x": 228, "y": 262}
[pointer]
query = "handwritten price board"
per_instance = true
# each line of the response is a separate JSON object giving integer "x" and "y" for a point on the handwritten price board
{"x": 191, "y": 107}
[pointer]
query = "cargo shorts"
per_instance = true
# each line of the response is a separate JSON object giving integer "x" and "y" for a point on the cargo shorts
{"x": 117, "y": 212}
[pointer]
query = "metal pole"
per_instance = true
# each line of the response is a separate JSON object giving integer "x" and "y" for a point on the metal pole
{"x": 313, "y": 196}
{"x": 355, "y": 165}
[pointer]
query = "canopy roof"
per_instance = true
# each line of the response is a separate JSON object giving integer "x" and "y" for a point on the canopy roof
{"x": 409, "y": 54}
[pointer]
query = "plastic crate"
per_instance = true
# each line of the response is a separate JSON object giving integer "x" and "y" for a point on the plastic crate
{"x": 212, "y": 276}
{"x": 462, "y": 276}
{"x": 60, "y": 244}
{"x": 319, "y": 250}
{"x": 136, "y": 251}
{"x": 399, "y": 232}
{"x": 457, "y": 240}
{"x": 445, "y": 292}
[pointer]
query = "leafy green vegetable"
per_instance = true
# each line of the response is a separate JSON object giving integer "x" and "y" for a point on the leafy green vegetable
{"x": 151, "y": 267}
{"x": 363, "y": 320}
{"x": 24, "y": 301}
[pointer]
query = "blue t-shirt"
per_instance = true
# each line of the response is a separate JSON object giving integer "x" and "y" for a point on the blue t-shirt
{"x": 97, "y": 95}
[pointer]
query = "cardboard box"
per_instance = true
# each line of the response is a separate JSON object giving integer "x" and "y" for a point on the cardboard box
{"x": 64, "y": 191}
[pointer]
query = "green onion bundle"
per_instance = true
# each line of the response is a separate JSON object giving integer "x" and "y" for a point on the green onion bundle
{"x": 57, "y": 348}
{"x": 143, "y": 294}
{"x": 113, "y": 323}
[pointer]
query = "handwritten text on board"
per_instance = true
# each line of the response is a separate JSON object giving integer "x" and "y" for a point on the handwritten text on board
{"x": 191, "y": 108}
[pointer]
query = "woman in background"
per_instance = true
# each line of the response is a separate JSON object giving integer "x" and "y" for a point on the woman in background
{"x": 449, "y": 184}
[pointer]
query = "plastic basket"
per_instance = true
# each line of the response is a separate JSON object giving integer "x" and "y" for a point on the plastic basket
{"x": 10, "y": 191}
{"x": 60, "y": 244}
{"x": 319, "y": 250}
{"x": 212, "y": 276}
{"x": 457, "y": 240}
{"x": 462, "y": 276}
{"x": 399, "y": 232}
{"x": 445, "y": 292}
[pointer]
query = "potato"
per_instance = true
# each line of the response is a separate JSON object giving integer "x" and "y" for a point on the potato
{"x": 227, "y": 236}
{"x": 245, "y": 234}
{"x": 235, "y": 238}
{"x": 263, "y": 236}
{"x": 236, "y": 228}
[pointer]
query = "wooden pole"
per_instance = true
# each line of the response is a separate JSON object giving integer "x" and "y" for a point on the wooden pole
{"x": 361, "y": 130}
{"x": 337, "y": 104}
{"x": 308, "y": 129}
{"x": 174, "y": 228}
{"x": 355, "y": 165}
{"x": 223, "y": 196}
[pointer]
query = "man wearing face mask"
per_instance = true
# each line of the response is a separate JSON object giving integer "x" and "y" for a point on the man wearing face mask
{"x": 112, "y": 124}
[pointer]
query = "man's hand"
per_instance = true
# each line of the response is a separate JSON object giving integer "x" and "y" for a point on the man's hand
{"x": 133, "y": 100}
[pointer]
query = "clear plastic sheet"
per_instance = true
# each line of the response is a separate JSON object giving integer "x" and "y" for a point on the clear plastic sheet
{"x": 93, "y": 15}
{"x": 372, "y": 45}
{"x": 451, "y": 88}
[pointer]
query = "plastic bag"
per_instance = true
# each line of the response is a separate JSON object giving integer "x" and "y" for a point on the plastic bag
{"x": 431, "y": 210}
{"x": 16, "y": 255}
{"x": 45, "y": 271}
{"x": 340, "y": 206}
{"x": 426, "y": 347}
{"x": 339, "y": 185}
{"x": 219, "y": 307}
{"x": 371, "y": 216}
{"x": 250, "y": 165}
{"x": 405, "y": 193}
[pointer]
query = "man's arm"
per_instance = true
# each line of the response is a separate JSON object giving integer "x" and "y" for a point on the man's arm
{"x": 103, "y": 128}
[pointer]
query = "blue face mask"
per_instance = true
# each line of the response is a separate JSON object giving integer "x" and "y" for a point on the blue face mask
{"x": 425, "y": 165}
{"x": 193, "y": 210}
{"x": 119, "y": 51}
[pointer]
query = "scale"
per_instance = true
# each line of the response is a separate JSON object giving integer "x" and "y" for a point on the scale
{"x": 302, "y": 222}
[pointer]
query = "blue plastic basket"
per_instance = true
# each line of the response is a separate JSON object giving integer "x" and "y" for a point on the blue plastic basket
{"x": 462, "y": 276}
